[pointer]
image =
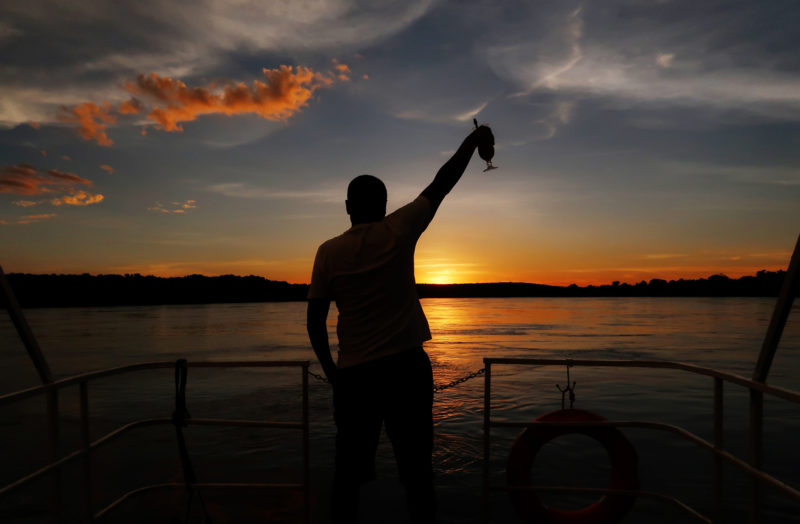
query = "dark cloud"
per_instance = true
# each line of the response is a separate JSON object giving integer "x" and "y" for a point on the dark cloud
{"x": 92, "y": 45}
{"x": 24, "y": 179}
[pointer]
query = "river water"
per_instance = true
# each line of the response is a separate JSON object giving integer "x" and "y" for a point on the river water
{"x": 722, "y": 333}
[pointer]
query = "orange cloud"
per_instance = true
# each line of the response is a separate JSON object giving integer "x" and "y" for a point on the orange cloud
{"x": 91, "y": 119}
{"x": 283, "y": 92}
{"x": 35, "y": 125}
{"x": 28, "y": 219}
{"x": 175, "y": 208}
{"x": 130, "y": 107}
{"x": 66, "y": 157}
{"x": 78, "y": 198}
{"x": 68, "y": 178}
{"x": 344, "y": 72}
{"x": 17, "y": 179}
{"x": 108, "y": 168}
{"x": 24, "y": 179}
{"x": 43, "y": 152}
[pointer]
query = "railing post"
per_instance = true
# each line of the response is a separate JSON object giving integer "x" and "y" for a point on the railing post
{"x": 306, "y": 460}
{"x": 791, "y": 283}
{"x": 24, "y": 330}
{"x": 87, "y": 462}
{"x": 487, "y": 404}
{"x": 52, "y": 436}
{"x": 756, "y": 449}
{"x": 719, "y": 417}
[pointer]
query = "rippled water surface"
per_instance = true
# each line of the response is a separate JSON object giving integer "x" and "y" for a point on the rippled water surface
{"x": 722, "y": 333}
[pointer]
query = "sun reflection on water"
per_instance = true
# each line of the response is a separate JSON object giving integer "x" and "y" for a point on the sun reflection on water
{"x": 718, "y": 333}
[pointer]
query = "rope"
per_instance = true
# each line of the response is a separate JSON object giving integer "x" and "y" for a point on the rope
{"x": 436, "y": 388}
{"x": 180, "y": 419}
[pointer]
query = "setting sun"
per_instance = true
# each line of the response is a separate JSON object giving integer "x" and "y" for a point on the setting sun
{"x": 441, "y": 276}
{"x": 438, "y": 275}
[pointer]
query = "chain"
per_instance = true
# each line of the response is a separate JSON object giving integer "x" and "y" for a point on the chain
{"x": 569, "y": 389}
{"x": 436, "y": 389}
{"x": 461, "y": 380}
{"x": 318, "y": 377}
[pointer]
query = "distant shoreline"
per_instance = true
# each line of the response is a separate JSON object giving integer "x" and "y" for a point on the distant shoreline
{"x": 138, "y": 290}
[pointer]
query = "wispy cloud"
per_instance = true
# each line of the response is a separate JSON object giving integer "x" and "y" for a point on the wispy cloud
{"x": 24, "y": 179}
{"x": 172, "y": 39}
{"x": 27, "y": 203}
{"x": 663, "y": 256}
{"x": 251, "y": 266}
{"x": 750, "y": 89}
{"x": 265, "y": 25}
{"x": 244, "y": 190}
{"x": 685, "y": 63}
{"x": 174, "y": 208}
{"x": 771, "y": 175}
{"x": 441, "y": 114}
{"x": 560, "y": 116}
{"x": 573, "y": 31}
{"x": 540, "y": 62}
{"x": 31, "y": 219}
{"x": 107, "y": 168}
{"x": 665, "y": 59}
{"x": 471, "y": 113}
{"x": 443, "y": 263}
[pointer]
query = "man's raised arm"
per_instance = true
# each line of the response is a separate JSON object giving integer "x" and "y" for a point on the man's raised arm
{"x": 450, "y": 173}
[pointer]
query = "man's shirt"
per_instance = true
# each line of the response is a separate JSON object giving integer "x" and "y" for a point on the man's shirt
{"x": 369, "y": 272}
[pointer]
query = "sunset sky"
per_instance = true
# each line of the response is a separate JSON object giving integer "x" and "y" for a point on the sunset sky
{"x": 635, "y": 139}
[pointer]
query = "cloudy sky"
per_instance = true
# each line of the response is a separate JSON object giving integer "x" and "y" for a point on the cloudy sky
{"x": 636, "y": 139}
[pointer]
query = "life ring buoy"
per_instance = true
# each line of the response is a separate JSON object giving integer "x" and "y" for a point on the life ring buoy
{"x": 608, "y": 509}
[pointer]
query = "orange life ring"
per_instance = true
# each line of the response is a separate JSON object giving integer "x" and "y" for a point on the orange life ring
{"x": 624, "y": 470}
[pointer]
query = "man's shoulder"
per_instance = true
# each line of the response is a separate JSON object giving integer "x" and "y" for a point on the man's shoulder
{"x": 334, "y": 242}
{"x": 421, "y": 204}
{"x": 413, "y": 217}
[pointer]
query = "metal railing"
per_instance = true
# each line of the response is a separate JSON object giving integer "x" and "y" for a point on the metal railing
{"x": 752, "y": 467}
{"x": 52, "y": 389}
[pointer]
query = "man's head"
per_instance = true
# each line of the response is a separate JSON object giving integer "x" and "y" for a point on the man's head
{"x": 366, "y": 199}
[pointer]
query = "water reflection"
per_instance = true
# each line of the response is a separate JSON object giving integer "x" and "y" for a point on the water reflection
{"x": 721, "y": 333}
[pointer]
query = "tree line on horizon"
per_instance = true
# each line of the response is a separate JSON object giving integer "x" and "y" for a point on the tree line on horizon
{"x": 57, "y": 290}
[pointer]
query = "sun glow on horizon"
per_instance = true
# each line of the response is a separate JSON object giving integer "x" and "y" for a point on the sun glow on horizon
{"x": 439, "y": 276}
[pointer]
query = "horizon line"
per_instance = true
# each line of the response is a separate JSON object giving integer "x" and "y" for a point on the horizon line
{"x": 514, "y": 282}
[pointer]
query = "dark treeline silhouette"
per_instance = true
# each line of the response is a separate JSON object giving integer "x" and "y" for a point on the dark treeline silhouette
{"x": 763, "y": 284}
{"x": 134, "y": 289}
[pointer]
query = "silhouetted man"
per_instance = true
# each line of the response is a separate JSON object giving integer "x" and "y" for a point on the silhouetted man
{"x": 383, "y": 375}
